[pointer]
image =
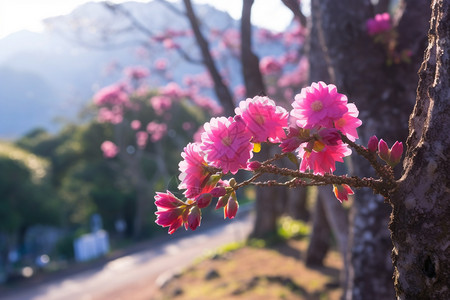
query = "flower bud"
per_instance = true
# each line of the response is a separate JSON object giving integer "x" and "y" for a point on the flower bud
{"x": 396, "y": 153}
{"x": 222, "y": 202}
{"x": 383, "y": 150}
{"x": 231, "y": 208}
{"x": 218, "y": 191}
{"x": 232, "y": 182}
{"x": 203, "y": 200}
{"x": 341, "y": 191}
{"x": 372, "y": 144}
{"x": 253, "y": 165}
{"x": 194, "y": 218}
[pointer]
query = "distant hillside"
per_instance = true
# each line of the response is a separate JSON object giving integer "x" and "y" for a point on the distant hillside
{"x": 54, "y": 74}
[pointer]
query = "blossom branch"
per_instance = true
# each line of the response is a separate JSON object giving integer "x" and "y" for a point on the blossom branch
{"x": 385, "y": 172}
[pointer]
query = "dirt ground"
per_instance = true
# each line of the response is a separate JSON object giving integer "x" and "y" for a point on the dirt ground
{"x": 276, "y": 272}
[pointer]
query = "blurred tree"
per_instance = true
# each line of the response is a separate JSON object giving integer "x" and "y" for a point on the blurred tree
{"x": 26, "y": 198}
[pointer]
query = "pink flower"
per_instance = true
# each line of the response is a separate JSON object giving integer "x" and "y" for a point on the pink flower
{"x": 135, "y": 124}
{"x": 169, "y": 43}
{"x": 156, "y": 130}
{"x": 226, "y": 143}
{"x": 109, "y": 149}
{"x": 113, "y": 116}
{"x": 173, "y": 90}
{"x": 111, "y": 95}
{"x": 171, "y": 212}
{"x": 141, "y": 139}
{"x": 263, "y": 118}
{"x": 208, "y": 104}
{"x": 137, "y": 73}
{"x": 380, "y": 23}
{"x": 161, "y": 64}
{"x": 193, "y": 172}
{"x": 319, "y": 105}
{"x": 270, "y": 65}
{"x": 239, "y": 91}
{"x": 329, "y": 136}
{"x": 342, "y": 191}
{"x": 160, "y": 104}
{"x": 322, "y": 158}
{"x": 349, "y": 122}
{"x": 296, "y": 136}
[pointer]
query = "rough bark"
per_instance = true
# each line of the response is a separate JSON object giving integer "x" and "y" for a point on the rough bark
{"x": 221, "y": 89}
{"x": 383, "y": 94}
{"x": 421, "y": 204}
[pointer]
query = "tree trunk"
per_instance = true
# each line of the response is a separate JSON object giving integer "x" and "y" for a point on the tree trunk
{"x": 320, "y": 236}
{"x": 266, "y": 198}
{"x": 420, "y": 223}
{"x": 383, "y": 93}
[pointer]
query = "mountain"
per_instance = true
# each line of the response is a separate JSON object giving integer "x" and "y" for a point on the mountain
{"x": 54, "y": 74}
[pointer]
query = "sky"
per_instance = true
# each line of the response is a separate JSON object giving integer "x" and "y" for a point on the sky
{"x": 16, "y": 15}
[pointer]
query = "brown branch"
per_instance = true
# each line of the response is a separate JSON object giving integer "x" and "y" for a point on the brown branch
{"x": 254, "y": 83}
{"x": 294, "y": 6}
{"x": 222, "y": 91}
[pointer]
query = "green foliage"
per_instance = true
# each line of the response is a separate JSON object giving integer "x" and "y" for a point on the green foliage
{"x": 26, "y": 196}
{"x": 289, "y": 228}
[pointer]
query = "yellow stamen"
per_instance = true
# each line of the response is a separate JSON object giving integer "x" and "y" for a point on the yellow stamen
{"x": 256, "y": 147}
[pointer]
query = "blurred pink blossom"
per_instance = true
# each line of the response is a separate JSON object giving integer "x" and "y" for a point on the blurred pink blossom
{"x": 135, "y": 124}
{"x": 270, "y": 65}
{"x": 141, "y": 139}
{"x": 109, "y": 149}
{"x": 380, "y": 23}
{"x": 156, "y": 130}
{"x": 160, "y": 104}
{"x": 136, "y": 73}
{"x": 113, "y": 116}
{"x": 161, "y": 64}
{"x": 111, "y": 95}
{"x": 172, "y": 89}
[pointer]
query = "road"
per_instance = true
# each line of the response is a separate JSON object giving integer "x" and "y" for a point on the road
{"x": 138, "y": 271}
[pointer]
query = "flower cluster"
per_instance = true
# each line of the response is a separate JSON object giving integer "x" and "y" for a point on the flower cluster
{"x": 323, "y": 127}
{"x": 320, "y": 113}
{"x": 226, "y": 146}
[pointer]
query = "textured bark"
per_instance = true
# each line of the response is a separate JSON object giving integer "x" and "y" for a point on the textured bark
{"x": 384, "y": 94}
{"x": 221, "y": 89}
{"x": 421, "y": 204}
